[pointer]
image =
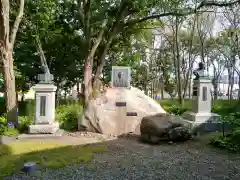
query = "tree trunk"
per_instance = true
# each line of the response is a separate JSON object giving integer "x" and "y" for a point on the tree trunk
{"x": 23, "y": 96}
{"x": 162, "y": 88}
{"x": 9, "y": 87}
{"x": 238, "y": 86}
{"x": 215, "y": 89}
{"x": 232, "y": 84}
{"x": 190, "y": 87}
{"x": 180, "y": 95}
{"x": 7, "y": 40}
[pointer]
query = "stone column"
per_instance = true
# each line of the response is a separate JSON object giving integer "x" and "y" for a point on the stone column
{"x": 202, "y": 101}
{"x": 45, "y": 110}
{"x": 201, "y": 115}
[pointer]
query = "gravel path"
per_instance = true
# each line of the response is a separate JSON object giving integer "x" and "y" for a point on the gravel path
{"x": 129, "y": 159}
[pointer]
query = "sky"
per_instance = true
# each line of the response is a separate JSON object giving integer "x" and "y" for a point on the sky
{"x": 218, "y": 25}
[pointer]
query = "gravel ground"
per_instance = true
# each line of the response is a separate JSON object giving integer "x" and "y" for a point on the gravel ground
{"x": 128, "y": 159}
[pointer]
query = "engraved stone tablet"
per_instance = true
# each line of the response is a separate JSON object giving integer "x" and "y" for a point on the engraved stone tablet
{"x": 121, "y": 76}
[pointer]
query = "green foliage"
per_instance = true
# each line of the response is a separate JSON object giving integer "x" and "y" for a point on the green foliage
{"x": 23, "y": 123}
{"x": 3, "y": 124}
{"x": 6, "y": 131}
{"x": 229, "y": 142}
{"x": 177, "y": 110}
{"x": 173, "y": 106}
{"x": 68, "y": 115}
{"x": 10, "y": 132}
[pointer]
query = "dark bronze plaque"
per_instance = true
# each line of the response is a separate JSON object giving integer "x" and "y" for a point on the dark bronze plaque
{"x": 204, "y": 95}
{"x": 121, "y": 104}
{"x": 131, "y": 113}
{"x": 43, "y": 105}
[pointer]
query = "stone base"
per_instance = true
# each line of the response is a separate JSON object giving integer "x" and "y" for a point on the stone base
{"x": 203, "y": 122}
{"x": 199, "y": 118}
{"x": 44, "y": 128}
{"x": 57, "y": 134}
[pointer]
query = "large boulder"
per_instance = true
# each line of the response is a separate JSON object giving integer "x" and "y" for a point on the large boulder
{"x": 162, "y": 126}
{"x": 119, "y": 111}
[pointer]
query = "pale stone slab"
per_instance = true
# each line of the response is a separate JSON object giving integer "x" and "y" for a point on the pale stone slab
{"x": 44, "y": 128}
{"x": 203, "y": 121}
{"x": 199, "y": 118}
{"x": 58, "y": 134}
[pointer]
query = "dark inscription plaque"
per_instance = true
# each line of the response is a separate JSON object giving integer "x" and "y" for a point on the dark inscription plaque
{"x": 120, "y": 104}
{"x": 204, "y": 95}
{"x": 131, "y": 113}
{"x": 42, "y": 105}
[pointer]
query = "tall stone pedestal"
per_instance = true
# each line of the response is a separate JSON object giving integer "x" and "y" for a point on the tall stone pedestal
{"x": 45, "y": 110}
{"x": 44, "y": 124}
{"x": 201, "y": 115}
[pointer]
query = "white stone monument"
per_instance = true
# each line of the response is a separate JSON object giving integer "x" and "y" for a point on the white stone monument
{"x": 201, "y": 104}
{"x": 45, "y": 107}
{"x": 121, "y": 76}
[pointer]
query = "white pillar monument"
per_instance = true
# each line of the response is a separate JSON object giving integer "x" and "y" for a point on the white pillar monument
{"x": 201, "y": 115}
{"x": 45, "y": 106}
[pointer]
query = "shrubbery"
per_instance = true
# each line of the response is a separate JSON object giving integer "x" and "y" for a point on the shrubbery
{"x": 177, "y": 110}
{"x": 229, "y": 140}
{"x": 67, "y": 114}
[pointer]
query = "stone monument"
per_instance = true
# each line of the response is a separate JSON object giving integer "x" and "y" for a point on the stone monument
{"x": 45, "y": 106}
{"x": 120, "y": 109}
{"x": 44, "y": 123}
{"x": 201, "y": 115}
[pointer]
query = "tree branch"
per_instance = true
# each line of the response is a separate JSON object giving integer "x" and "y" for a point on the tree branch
{"x": 99, "y": 39}
{"x": 17, "y": 22}
{"x": 4, "y": 24}
{"x": 82, "y": 16}
{"x": 188, "y": 11}
{"x": 114, "y": 28}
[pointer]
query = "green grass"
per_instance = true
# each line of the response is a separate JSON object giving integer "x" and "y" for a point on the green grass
{"x": 46, "y": 155}
{"x": 222, "y": 107}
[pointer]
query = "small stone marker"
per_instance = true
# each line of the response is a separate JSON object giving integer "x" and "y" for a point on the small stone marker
{"x": 30, "y": 167}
